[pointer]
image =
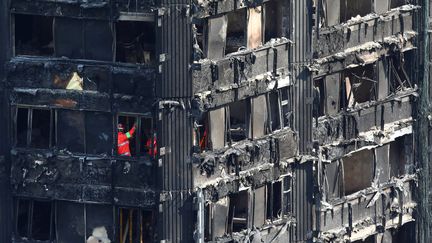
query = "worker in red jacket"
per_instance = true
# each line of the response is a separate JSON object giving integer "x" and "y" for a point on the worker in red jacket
{"x": 123, "y": 140}
{"x": 151, "y": 151}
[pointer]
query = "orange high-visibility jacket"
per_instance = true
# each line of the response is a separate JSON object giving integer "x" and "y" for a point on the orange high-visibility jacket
{"x": 123, "y": 142}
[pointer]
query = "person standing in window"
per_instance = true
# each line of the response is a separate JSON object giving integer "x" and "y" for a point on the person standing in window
{"x": 123, "y": 148}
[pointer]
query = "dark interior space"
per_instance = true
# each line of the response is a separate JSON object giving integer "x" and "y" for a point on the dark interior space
{"x": 238, "y": 211}
{"x": 275, "y": 121}
{"x": 274, "y": 200}
{"x": 71, "y": 130}
{"x": 41, "y": 127}
{"x": 41, "y": 221}
{"x": 236, "y": 34}
{"x": 360, "y": 85}
{"x": 319, "y": 98}
{"x": 135, "y": 42}
{"x": 22, "y": 128}
{"x": 33, "y": 35}
{"x": 273, "y": 11}
{"x": 238, "y": 120}
{"x": 353, "y": 8}
{"x": 23, "y": 218}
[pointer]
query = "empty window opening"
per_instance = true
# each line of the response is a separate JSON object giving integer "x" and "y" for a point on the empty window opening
{"x": 236, "y": 34}
{"x": 199, "y": 41}
{"x": 397, "y": 3}
{"x": 35, "y": 220}
{"x": 358, "y": 163}
{"x": 274, "y": 11}
{"x": 239, "y": 120}
{"x": 83, "y": 39}
{"x": 275, "y": 115}
{"x": 135, "y": 225}
{"x": 287, "y": 180}
{"x": 41, "y": 127}
{"x": 35, "y": 128}
{"x": 136, "y": 136}
{"x": 22, "y": 127}
{"x": 399, "y": 78}
{"x": 359, "y": 85}
{"x": 400, "y": 155}
{"x": 274, "y": 200}
{"x": 286, "y": 97}
{"x": 238, "y": 211}
{"x": 33, "y": 35}
{"x": 353, "y": 8}
{"x": 319, "y": 98}
{"x": 71, "y": 130}
{"x": 135, "y": 42}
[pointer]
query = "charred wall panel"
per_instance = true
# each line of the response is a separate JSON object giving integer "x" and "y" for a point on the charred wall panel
{"x": 300, "y": 55}
{"x": 175, "y": 136}
{"x": 175, "y": 45}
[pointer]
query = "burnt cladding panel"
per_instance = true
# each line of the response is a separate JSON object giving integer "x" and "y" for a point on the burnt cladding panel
{"x": 300, "y": 56}
{"x": 175, "y": 38}
{"x": 302, "y": 201}
{"x": 175, "y": 135}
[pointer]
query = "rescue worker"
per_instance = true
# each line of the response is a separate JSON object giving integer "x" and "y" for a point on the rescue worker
{"x": 123, "y": 140}
{"x": 150, "y": 151}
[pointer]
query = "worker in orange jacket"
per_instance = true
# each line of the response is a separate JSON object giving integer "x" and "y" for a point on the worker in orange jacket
{"x": 123, "y": 140}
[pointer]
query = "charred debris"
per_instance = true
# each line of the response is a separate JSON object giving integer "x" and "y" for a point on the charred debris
{"x": 253, "y": 121}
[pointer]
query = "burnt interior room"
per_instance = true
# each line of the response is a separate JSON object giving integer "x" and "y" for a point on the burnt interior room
{"x": 142, "y": 137}
{"x": 238, "y": 218}
{"x": 239, "y": 120}
{"x": 236, "y": 31}
{"x": 359, "y": 85}
{"x": 353, "y": 8}
{"x": 33, "y": 35}
{"x": 34, "y": 220}
{"x": 135, "y": 42}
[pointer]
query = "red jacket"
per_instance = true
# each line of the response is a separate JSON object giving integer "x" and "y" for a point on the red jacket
{"x": 123, "y": 142}
{"x": 149, "y": 146}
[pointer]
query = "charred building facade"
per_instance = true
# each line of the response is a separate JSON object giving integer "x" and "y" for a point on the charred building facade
{"x": 136, "y": 121}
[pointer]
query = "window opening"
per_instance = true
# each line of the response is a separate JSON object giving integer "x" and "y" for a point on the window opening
{"x": 319, "y": 98}
{"x": 354, "y": 8}
{"x": 135, "y": 225}
{"x": 35, "y": 128}
{"x": 360, "y": 85}
{"x": 41, "y": 127}
{"x": 35, "y": 220}
{"x": 274, "y": 11}
{"x": 236, "y": 34}
{"x": 275, "y": 115}
{"x": 238, "y": 211}
{"x": 135, "y": 42}
{"x": 22, "y": 127}
{"x": 358, "y": 163}
{"x": 239, "y": 123}
{"x": 399, "y": 79}
{"x": 274, "y": 200}
{"x": 397, "y": 3}
{"x": 33, "y": 35}
{"x": 136, "y": 136}
{"x": 287, "y": 106}
{"x": 399, "y": 158}
{"x": 287, "y": 195}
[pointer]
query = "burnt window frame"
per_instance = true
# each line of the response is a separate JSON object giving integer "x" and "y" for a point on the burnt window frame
{"x": 150, "y": 18}
{"x": 29, "y": 133}
{"x": 286, "y": 97}
{"x": 202, "y": 24}
{"x": 232, "y": 212}
{"x": 30, "y": 216}
{"x": 13, "y": 34}
{"x": 138, "y": 133}
{"x": 345, "y": 98}
{"x": 118, "y": 220}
